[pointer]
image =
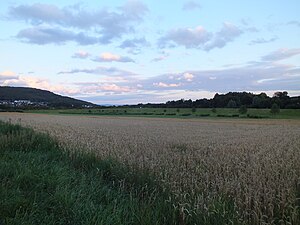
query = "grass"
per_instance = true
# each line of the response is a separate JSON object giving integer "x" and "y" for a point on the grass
{"x": 182, "y": 113}
{"x": 42, "y": 184}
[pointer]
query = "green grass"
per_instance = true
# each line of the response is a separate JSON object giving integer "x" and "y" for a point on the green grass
{"x": 182, "y": 113}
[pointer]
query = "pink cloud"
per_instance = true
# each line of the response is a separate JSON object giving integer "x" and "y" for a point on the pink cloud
{"x": 8, "y": 74}
{"x": 110, "y": 57}
{"x": 114, "y": 88}
{"x": 188, "y": 76}
{"x": 98, "y": 88}
{"x": 27, "y": 81}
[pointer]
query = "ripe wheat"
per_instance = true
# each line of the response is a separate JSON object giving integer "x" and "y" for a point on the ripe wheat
{"x": 256, "y": 164}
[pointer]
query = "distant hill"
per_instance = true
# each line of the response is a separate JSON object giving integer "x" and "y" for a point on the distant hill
{"x": 32, "y": 97}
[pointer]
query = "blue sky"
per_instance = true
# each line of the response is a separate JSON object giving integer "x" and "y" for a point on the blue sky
{"x": 125, "y": 52}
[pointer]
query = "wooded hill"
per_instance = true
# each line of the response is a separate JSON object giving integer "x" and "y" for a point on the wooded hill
{"x": 31, "y": 97}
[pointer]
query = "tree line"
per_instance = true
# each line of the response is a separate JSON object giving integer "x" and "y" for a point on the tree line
{"x": 233, "y": 100}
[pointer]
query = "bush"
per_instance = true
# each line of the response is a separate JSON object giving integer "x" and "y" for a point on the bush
{"x": 243, "y": 109}
{"x": 147, "y": 113}
{"x": 256, "y": 116}
{"x": 224, "y": 115}
{"x": 275, "y": 109}
{"x": 203, "y": 115}
{"x": 186, "y": 114}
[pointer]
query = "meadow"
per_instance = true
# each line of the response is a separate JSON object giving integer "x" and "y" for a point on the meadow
{"x": 225, "y": 171}
{"x": 252, "y": 113}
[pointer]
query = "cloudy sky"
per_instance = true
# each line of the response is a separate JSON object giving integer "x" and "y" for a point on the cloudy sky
{"x": 119, "y": 52}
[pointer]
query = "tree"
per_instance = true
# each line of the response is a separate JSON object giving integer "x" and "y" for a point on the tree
{"x": 257, "y": 102}
{"x": 280, "y": 94}
{"x": 231, "y": 104}
{"x": 275, "y": 109}
{"x": 281, "y": 98}
{"x": 243, "y": 109}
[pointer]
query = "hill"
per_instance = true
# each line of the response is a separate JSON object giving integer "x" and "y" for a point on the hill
{"x": 25, "y": 97}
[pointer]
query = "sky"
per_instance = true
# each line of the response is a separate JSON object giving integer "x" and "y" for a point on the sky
{"x": 139, "y": 51}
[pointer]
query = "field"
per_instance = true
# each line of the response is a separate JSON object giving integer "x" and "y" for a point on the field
{"x": 232, "y": 171}
{"x": 42, "y": 183}
{"x": 178, "y": 112}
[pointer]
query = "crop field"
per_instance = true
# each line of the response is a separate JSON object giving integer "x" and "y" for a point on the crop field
{"x": 241, "y": 171}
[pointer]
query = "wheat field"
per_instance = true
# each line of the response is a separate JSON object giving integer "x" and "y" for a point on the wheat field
{"x": 253, "y": 164}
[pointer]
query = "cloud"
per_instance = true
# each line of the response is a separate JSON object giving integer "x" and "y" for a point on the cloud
{"x": 81, "y": 55}
{"x": 114, "y": 88}
{"x": 38, "y": 13}
{"x": 281, "y": 54}
{"x": 120, "y": 86}
{"x": 29, "y": 81}
{"x": 8, "y": 78}
{"x": 227, "y": 34}
{"x": 135, "y": 9}
{"x": 109, "y": 24}
{"x": 115, "y": 79}
{"x": 164, "y": 85}
{"x": 108, "y": 71}
{"x": 188, "y": 37}
{"x": 294, "y": 22}
{"x": 48, "y": 35}
{"x": 134, "y": 43}
{"x": 198, "y": 37}
{"x": 188, "y": 76}
{"x": 110, "y": 57}
{"x": 103, "y": 87}
{"x": 160, "y": 58}
{"x": 104, "y": 57}
{"x": 250, "y": 77}
{"x": 263, "y": 41}
{"x": 191, "y": 5}
{"x": 7, "y": 75}
{"x": 134, "y": 46}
